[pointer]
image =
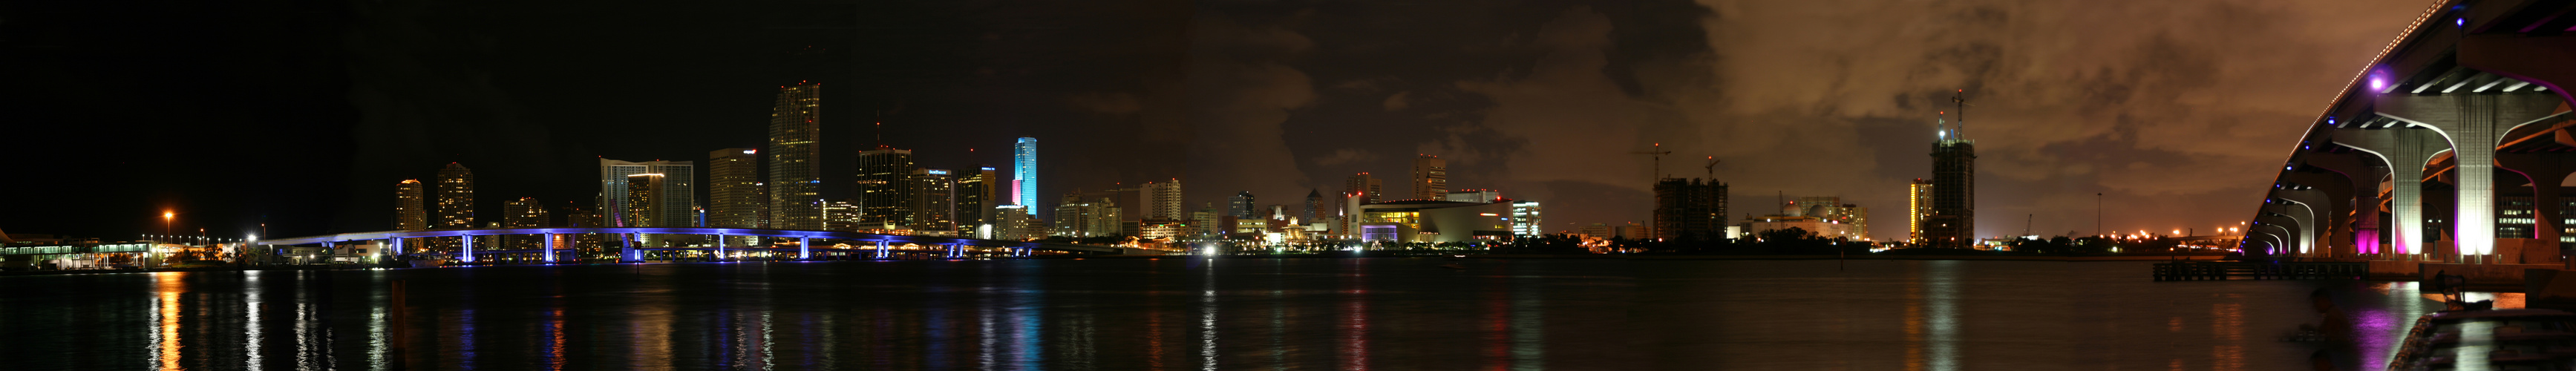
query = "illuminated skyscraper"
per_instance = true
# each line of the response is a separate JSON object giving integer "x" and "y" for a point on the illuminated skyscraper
{"x": 455, "y": 197}
{"x": 1525, "y": 219}
{"x": 934, "y": 202}
{"x": 795, "y": 168}
{"x": 1240, "y": 207}
{"x": 1163, "y": 201}
{"x": 678, "y": 198}
{"x": 1430, "y": 178}
{"x": 1024, "y": 174}
{"x": 643, "y": 206}
{"x": 410, "y": 212}
{"x": 1918, "y": 206}
{"x": 1953, "y": 220}
{"x": 733, "y": 189}
{"x": 883, "y": 194}
{"x": 524, "y": 212}
{"x": 975, "y": 200}
{"x": 840, "y": 215}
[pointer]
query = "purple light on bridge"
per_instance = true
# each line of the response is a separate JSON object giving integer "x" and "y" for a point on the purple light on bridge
{"x": 2378, "y": 84}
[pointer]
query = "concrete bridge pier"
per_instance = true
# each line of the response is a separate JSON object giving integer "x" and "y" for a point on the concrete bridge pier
{"x": 2362, "y": 177}
{"x": 884, "y": 249}
{"x": 2335, "y": 202}
{"x": 2546, "y": 171}
{"x": 2405, "y": 151}
{"x": 2282, "y": 236}
{"x": 548, "y": 246}
{"x": 804, "y": 248}
{"x": 2474, "y": 124}
{"x": 720, "y": 245}
{"x": 467, "y": 245}
{"x": 2311, "y": 213}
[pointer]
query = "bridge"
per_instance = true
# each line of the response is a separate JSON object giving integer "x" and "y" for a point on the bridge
{"x": 883, "y": 247}
{"x": 2403, "y": 162}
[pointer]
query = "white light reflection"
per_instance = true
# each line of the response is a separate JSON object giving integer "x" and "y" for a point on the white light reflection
{"x": 250, "y": 314}
{"x": 1207, "y": 318}
{"x": 1941, "y": 314}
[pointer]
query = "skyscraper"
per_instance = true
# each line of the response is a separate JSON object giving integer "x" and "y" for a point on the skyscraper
{"x": 1163, "y": 200}
{"x": 975, "y": 200}
{"x": 840, "y": 215}
{"x": 643, "y": 205}
{"x": 1366, "y": 186}
{"x": 733, "y": 189}
{"x": 1690, "y": 210}
{"x": 1024, "y": 174}
{"x": 883, "y": 194}
{"x": 1076, "y": 217}
{"x": 1430, "y": 178}
{"x": 1241, "y": 206}
{"x": 678, "y": 196}
{"x": 1314, "y": 206}
{"x": 934, "y": 202}
{"x": 1525, "y": 218}
{"x": 524, "y": 212}
{"x": 410, "y": 214}
{"x": 795, "y": 165}
{"x": 1918, "y": 207}
{"x": 455, "y": 196}
{"x": 1953, "y": 218}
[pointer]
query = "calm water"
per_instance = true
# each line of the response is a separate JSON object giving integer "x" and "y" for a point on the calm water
{"x": 1180, "y": 313}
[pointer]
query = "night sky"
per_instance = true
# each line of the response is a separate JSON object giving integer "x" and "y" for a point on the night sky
{"x": 305, "y": 114}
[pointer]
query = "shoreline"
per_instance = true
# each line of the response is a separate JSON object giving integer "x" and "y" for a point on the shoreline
{"x": 1302, "y": 256}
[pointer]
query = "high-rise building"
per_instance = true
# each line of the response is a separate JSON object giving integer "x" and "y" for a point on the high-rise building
{"x": 840, "y": 215}
{"x": 1012, "y": 224}
{"x": 795, "y": 162}
{"x": 1953, "y": 220}
{"x": 1075, "y": 217}
{"x": 975, "y": 198}
{"x": 1204, "y": 221}
{"x": 1918, "y": 206}
{"x": 455, "y": 197}
{"x": 1240, "y": 206}
{"x": 525, "y": 212}
{"x": 934, "y": 202}
{"x": 883, "y": 194}
{"x": 643, "y": 206}
{"x": 1163, "y": 200}
{"x": 678, "y": 195}
{"x": 733, "y": 189}
{"x": 410, "y": 212}
{"x": 1314, "y": 206}
{"x": 1366, "y": 186}
{"x": 587, "y": 245}
{"x": 1024, "y": 174}
{"x": 1690, "y": 210}
{"x": 1430, "y": 178}
{"x": 1525, "y": 218}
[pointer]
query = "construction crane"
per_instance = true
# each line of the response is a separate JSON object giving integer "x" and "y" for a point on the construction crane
{"x": 1712, "y": 168}
{"x": 1658, "y": 155}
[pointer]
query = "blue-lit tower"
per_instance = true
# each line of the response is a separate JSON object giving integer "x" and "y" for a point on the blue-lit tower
{"x": 1024, "y": 174}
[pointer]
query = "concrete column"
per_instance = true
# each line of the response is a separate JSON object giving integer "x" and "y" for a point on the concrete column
{"x": 2283, "y": 235}
{"x": 2334, "y": 203}
{"x": 2362, "y": 172}
{"x": 2545, "y": 170}
{"x": 884, "y": 249}
{"x": 467, "y": 246}
{"x": 720, "y": 245}
{"x": 804, "y": 248}
{"x": 2307, "y": 207}
{"x": 2298, "y": 226}
{"x": 547, "y": 247}
{"x": 397, "y": 247}
{"x": 2405, "y": 150}
{"x": 2474, "y": 124}
{"x": 631, "y": 254}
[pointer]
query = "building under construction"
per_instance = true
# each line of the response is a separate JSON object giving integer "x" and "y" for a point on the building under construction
{"x": 1690, "y": 209}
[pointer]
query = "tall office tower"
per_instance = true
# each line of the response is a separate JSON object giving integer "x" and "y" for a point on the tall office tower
{"x": 1163, "y": 200}
{"x": 524, "y": 212}
{"x": 678, "y": 197}
{"x": 1918, "y": 206}
{"x": 795, "y": 158}
{"x": 1525, "y": 220}
{"x": 1024, "y": 174}
{"x": 643, "y": 206}
{"x": 1953, "y": 218}
{"x": 1366, "y": 186}
{"x": 409, "y": 212}
{"x": 733, "y": 188}
{"x": 1203, "y": 222}
{"x": 1075, "y": 217}
{"x": 586, "y": 245}
{"x": 1690, "y": 210}
{"x": 934, "y": 202}
{"x": 1240, "y": 206}
{"x": 1314, "y": 206}
{"x": 883, "y": 194}
{"x": 975, "y": 200}
{"x": 455, "y": 197}
{"x": 1430, "y": 178}
{"x": 840, "y": 215}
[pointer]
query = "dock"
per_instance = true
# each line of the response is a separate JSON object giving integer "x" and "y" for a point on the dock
{"x": 2259, "y": 270}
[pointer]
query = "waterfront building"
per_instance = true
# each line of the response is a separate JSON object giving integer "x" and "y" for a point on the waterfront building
{"x": 410, "y": 211}
{"x": 1953, "y": 218}
{"x": 884, "y": 193}
{"x": 1240, "y": 206}
{"x": 1831, "y": 209}
{"x": 975, "y": 198}
{"x": 678, "y": 197}
{"x": 1596, "y": 230}
{"x": 1475, "y": 195}
{"x": 934, "y": 203}
{"x": 455, "y": 197}
{"x": 1203, "y": 222}
{"x": 1918, "y": 199}
{"x": 734, "y": 196}
{"x": 1690, "y": 209}
{"x": 1165, "y": 230}
{"x": 1821, "y": 227}
{"x": 1525, "y": 218}
{"x": 643, "y": 206}
{"x": 841, "y": 215}
{"x": 1024, "y": 174}
{"x": 1434, "y": 221}
{"x": 1010, "y": 223}
{"x": 1077, "y": 217}
{"x": 525, "y": 212}
{"x": 795, "y": 158}
{"x": 1430, "y": 177}
{"x": 1163, "y": 201}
